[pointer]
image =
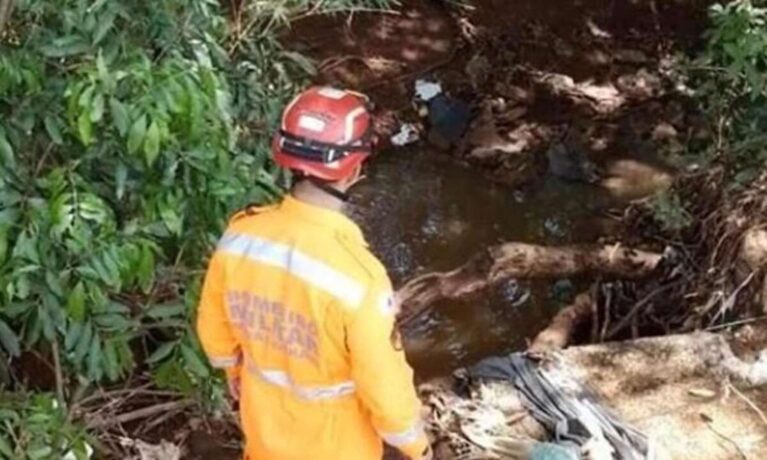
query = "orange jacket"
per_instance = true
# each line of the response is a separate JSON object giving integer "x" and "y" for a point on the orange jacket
{"x": 295, "y": 304}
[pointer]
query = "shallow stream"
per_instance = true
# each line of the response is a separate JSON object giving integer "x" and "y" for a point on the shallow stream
{"x": 421, "y": 212}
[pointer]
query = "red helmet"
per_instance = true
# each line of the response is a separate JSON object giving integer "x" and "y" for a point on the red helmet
{"x": 325, "y": 133}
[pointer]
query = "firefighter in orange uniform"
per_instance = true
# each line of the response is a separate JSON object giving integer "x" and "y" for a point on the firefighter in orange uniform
{"x": 300, "y": 314}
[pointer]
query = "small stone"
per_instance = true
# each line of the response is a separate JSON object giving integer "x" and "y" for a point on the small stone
{"x": 701, "y": 393}
{"x": 663, "y": 132}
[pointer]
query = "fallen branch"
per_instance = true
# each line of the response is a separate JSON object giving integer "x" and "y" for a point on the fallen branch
{"x": 557, "y": 335}
{"x": 138, "y": 414}
{"x": 520, "y": 260}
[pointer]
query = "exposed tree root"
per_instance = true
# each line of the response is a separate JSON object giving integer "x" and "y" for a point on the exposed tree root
{"x": 521, "y": 260}
{"x": 557, "y": 334}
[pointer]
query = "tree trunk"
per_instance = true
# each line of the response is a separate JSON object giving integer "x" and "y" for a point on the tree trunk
{"x": 520, "y": 260}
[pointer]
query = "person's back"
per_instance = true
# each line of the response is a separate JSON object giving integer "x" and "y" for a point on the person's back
{"x": 297, "y": 309}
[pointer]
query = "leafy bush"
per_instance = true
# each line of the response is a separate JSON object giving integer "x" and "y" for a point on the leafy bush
{"x": 729, "y": 77}
{"x": 129, "y": 132}
{"x": 36, "y": 428}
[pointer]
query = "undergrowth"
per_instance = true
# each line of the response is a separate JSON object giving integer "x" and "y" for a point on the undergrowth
{"x": 129, "y": 132}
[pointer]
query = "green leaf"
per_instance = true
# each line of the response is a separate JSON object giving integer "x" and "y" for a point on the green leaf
{"x": 192, "y": 359}
{"x": 161, "y": 353}
{"x": 10, "y": 415}
{"x": 117, "y": 308}
{"x": 171, "y": 219}
{"x": 65, "y": 46}
{"x": 9, "y": 339}
{"x": 95, "y": 369}
{"x": 39, "y": 453}
{"x": 152, "y": 143}
{"x": 97, "y": 108}
{"x": 111, "y": 262}
{"x": 3, "y": 243}
{"x": 101, "y": 67}
{"x": 26, "y": 247}
{"x": 145, "y": 272}
{"x": 84, "y": 101}
{"x": 111, "y": 365}
{"x": 81, "y": 350}
{"x": 121, "y": 177}
{"x": 5, "y": 447}
{"x": 119, "y": 116}
{"x": 53, "y": 128}
{"x": 34, "y": 331}
{"x": 167, "y": 311}
{"x": 170, "y": 374}
{"x": 106, "y": 21}
{"x": 6, "y": 151}
{"x": 85, "y": 128}
{"x": 113, "y": 322}
{"x": 74, "y": 332}
{"x": 53, "y": 281}
{"x": 76, "y": 303}
{"x": 137, "y": 134}
{"x": 47, "y": 323}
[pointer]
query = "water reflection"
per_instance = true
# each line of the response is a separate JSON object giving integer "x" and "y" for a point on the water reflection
{"x": 420, "y": 212}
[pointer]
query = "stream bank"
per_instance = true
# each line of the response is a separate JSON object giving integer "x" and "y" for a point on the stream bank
{"x": 591, "y": 85}
{"x": 554, "y": 90}
{"x": 592, "y": 82}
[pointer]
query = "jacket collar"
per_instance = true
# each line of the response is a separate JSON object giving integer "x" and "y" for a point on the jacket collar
{"x": 334, "y": 220}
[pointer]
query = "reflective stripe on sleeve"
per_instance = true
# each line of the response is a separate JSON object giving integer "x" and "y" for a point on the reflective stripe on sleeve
{"x": 403, "y": 438}
{"x": 298, "y": 264}
{"x": 223, "y": 362}
{"x": 310, "y": 393}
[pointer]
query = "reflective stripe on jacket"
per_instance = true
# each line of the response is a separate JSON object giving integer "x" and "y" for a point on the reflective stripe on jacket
{"x": 295, "y": 304}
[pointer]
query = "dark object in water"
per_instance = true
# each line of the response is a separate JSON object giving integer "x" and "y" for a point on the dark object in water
{"x": 571, "y": 412}
{"x": 448, "y": 119}
{"x": 571, "y": 164}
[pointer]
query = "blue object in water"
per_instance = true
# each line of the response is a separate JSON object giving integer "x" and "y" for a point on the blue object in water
{"x": 551, "y": 451}
{"x": 448, "y": 118}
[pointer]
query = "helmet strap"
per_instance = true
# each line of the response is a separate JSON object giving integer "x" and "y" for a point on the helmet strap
{"x": 330, "y": 190}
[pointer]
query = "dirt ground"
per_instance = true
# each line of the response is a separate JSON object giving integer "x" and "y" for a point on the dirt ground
{"x": 672, "y": 388}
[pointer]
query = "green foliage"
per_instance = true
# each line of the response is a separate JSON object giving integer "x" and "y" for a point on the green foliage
{"x": 129, "y": 132}
{"x": 35, "y": 427}
{"x": 670, "y": 212}
{"x": 729, "y": 78}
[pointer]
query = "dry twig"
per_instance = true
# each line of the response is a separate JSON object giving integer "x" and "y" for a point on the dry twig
{"x": 750, "y": 403}
{"x": 139, "y": 414}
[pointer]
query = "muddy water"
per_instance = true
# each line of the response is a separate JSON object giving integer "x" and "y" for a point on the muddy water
{"x": 420, "y": 212}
